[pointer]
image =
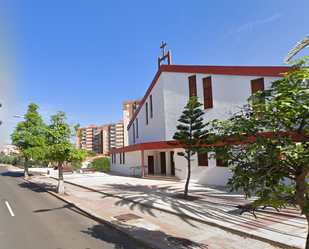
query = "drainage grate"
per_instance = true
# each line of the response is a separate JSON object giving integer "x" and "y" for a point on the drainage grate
{"x": 180, "y": 241}
{"x": 127, "y": 217}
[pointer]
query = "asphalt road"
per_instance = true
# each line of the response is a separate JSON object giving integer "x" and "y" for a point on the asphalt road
{"x": 32, "y": 218}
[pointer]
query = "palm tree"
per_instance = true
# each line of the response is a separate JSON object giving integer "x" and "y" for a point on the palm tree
{"x": 299, "y": 46}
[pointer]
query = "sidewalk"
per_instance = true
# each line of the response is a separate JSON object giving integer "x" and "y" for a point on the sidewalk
{"x": 149, "y": 211}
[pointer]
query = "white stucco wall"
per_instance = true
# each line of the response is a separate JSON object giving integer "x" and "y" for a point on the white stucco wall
{"x": 155, "y": 129}
{"x": 229, "y": 93}
{"x": 132, "y": 159}
{"x": 211, "y": 174}
{"x": 169, "y": 95}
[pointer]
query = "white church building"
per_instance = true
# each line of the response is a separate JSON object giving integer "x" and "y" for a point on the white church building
{"x": 221, "y": 90}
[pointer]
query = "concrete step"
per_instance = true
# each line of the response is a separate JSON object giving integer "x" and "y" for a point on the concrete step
{"x": 162, "y": 177}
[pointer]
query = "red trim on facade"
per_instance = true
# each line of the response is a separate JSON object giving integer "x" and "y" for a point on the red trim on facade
{"x": 162, "y": 145}
{"x": 224, "y": 70}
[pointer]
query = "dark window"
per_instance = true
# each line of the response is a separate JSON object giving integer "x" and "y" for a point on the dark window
{"x": 133, "y": 133}
{"x": 120, "y": 158}
{"x": 220, "y": 162}
{"x": 146, "y": 106}
{"x": 202, "y": 159}
{"x": 192, "y": 85}
{"x": 123, "y": 158}
{"x": 208, "y": 103}
{"x": 257, "y": 85}
{"x": 151, "y": 110}
{"x": 137, "y": 128}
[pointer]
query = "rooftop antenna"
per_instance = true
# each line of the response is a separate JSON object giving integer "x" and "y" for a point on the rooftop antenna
{"x": 168, "y": 55}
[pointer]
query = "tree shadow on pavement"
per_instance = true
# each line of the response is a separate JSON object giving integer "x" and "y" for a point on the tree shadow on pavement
{"x": 155, "y": 237}
{"x": 204, "y": 209}
{"x": 107, "y": 235}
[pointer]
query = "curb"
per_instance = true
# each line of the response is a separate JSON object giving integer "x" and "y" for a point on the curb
{"x": 122, "y": 231}
{"x": 148, "y": 244}
{"x": 231, "y": 230}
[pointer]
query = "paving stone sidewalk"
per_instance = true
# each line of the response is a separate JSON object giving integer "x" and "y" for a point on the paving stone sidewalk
{"x": 150, "y": 211}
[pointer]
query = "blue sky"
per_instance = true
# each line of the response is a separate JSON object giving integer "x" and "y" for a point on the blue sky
{"x": 86, "y": 57}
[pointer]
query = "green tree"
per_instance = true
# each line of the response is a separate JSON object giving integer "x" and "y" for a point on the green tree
{"x": 268, "y": 141}
{"x": 60, "y": 148}
{"x": 101, "y": 164}
{"x": 190, "y": 133}
{"x": 299, "y": 46}
{"x": 29, "y": 136}
{"x": 91, "y": 153}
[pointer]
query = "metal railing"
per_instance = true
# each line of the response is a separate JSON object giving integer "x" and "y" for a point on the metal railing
{"x": 137, "y": 168}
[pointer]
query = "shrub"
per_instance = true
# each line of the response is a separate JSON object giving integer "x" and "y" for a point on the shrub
{"x": 101, "y": 164}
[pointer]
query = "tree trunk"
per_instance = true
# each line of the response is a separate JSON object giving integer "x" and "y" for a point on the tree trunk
{"x": 26, "y": 175}
{"x": 188, "y": 177}
{"x": 60, "y": 188}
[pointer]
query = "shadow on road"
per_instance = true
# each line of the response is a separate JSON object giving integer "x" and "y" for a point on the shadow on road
{"x": 14, "y": 174}
{"x": 31, "y": 187}
{"x": 51, "y": 209}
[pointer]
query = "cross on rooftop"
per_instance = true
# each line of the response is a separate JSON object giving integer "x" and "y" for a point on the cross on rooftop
{"x": 168, "y": 55}
{"x": 163, "y": 46}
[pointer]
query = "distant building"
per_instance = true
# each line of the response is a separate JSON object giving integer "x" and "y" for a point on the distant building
{"x": 9, "y": 148}
{"x": 129, "y": 108}
{"x": 101, "y": 139}
{"x": 91, "y": 139}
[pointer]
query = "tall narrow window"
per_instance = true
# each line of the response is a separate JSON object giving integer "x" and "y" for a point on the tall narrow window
{"x": 220, "y": 162}
{"x": 133, "y": 133}
{"x": 202, "y": 159}
{"x": 208, "y": 103}
{"x": 146, "y": 106}
{"x": 120, "y": 158}
{"x": 123, "y": 158}
{"x": 192, "y": 85}
{"x": 136, "y": 127}
{"x": 115, "y": 158}
{"x": 257, "y": 85}
{"x": 151, "y": 110}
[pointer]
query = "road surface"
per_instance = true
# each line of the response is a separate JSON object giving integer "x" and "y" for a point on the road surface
{"x": 32, "y": 218}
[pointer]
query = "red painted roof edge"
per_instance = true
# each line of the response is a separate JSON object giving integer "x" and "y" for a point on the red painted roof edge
{"x": 272, "y": 71}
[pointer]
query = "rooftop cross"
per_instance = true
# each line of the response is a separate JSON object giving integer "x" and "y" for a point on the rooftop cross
{"x": 165, "y": 55}
{"x": 163, "y": 46}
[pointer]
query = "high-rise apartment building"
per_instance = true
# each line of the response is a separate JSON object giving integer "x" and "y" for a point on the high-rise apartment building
{"x": 91, "y": 139}
{"x": 119, "y": 134}
{"x": 101, "y": 139}
{"x": 129, "y": 108}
